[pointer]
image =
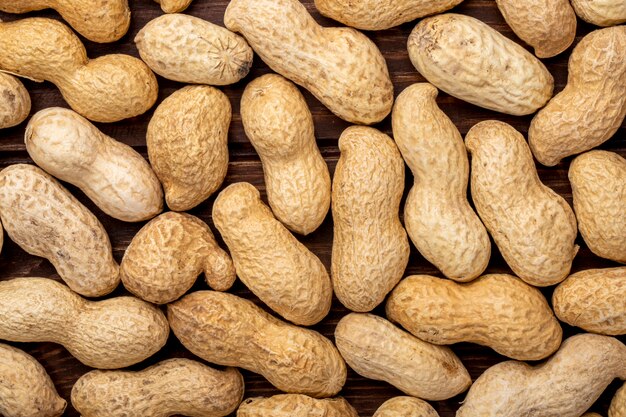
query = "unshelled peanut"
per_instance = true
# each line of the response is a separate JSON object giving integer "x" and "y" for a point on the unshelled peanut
{"x": 405, "y": 407}
{"x": 174, "y": 6}
{"x": 14, "y": 101}
{"x": 618, "y": 405}
{"x": 295, "y": 405}
{"x": 601, "y": 12}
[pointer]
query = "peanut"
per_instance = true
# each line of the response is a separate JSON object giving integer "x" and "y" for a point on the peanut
{"x": 26, "y": 390}
{"x": 231, "y": 331}
{"x": 171, "y": 387}
{"x": 471, "y": 61}
{"x": 533, "y": 226}
{"x": 340, "y": 66}
{"x": 109, "y": 334}
{"x": 378, "y": 350}
{"x": 164, "y": 259}
{"x": 45, "y": 220}
{"x": 593, "y": 104}
{"x": 499, "y": 311}
{"x": 564, "y": 386}
{"x": 295, "y": 405}
{"x": 439, "y": 219}
{"x": 269, "y": 260}
{"x": 191, "y": 50}
{"x": 405, "y": 407}
{"x": 598, "y": 181}
{"x": 370, "y": 246}
{"x": 279, "y": 125}
{"x": 113, "y": 175}
{"x": 106, "y": 89}
{"x": 601, "y": 12}
{"x": 174, "y": 6}
{"x": 618, "y": 405}
{"x": 14, "y": 101}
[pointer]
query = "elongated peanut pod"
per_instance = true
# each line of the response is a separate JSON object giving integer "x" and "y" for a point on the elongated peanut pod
{"x": 174, "y": 6}
{"x": 295, "y": 405}
{"x": 405, "y": 407}
{"x": 601, "y": 12}
{"x": 14, "y": 101}
{"x": 618, "y": 405}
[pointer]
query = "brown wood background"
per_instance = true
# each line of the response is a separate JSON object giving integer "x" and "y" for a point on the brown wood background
{"x": 364, "y": 394}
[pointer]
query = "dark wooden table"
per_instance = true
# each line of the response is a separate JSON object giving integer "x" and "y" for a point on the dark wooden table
{"x": 364, "y": 394}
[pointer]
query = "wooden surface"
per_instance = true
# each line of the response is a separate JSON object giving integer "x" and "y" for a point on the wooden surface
{"x": 364, "y": 394}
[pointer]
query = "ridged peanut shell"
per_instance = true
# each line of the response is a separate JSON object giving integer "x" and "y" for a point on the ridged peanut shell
{"x": 618, "y": 404}
{"x": 14, "y": 101}
{"x": 174, "y": 6}
{"x": 295, "y": 405}
{"x": 601, "y": 12}
{"x": 405, "y": 407}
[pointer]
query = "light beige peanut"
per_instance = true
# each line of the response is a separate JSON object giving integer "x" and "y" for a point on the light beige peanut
{"x": 113, "y": 175}
{"x": 598, "y": 180}
{"x": 438, "y": 217}
{"x": 533, "y": 226}
{"x": 26, "y": 390}
{"x": 593, "y": 300}
{"x": 340, "y": 66}
{"x": 293, "y": 359}
{"x": 45, "y": 220}
{"x": 378, "y": 350}
{"x": 405, "y": 407}
{"x": 114, "y": 333}
{"x": 191, "y": 50}
{"x": 171, "y": 387}
{"x": 370, "y": 246}
{"x": 279, "y": 125}
{"x": 106, "y": 89}
{"x": 14, "y": 101}
{"x": 295, "y": 405}
{"x": 498, "y": 310}
{"x": 469, "y": 60}
{"x": 592, "y": 106}
{"x": 187, "y": 142}
{"x": 601, "y": 12}
{"x": 276, "y": 267}
{"x": 174, "y": 6}
{"x": 166, "y": 256}
{"x": 564, "y": 386}
{"x": 618, "y": 405}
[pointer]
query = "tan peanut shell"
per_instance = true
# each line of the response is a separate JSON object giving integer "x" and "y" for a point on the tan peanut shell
{"x": 276, "y": 267}
{"x": 594, "y": 300}
{"x": 549, "y": 26}
{"x": 598, "y": 180}
{"x": 295, "y": 405}
{"x": 14, "y": 101}
{"x": 99, "y": 21}
{"x": 192, "y": 50}
{"x": 340, "y": 66}
{"x": 405, "y": 407}
{"x": 380, "y": 15}
{"x": 45, "y": 220}
{"x": 171, "y": 387}
{"x": 112, "y": 174}
{"x": 370, "y": 246}
{"x": 279, "y": 125}
{"x": 533, "y": 226}
{"x": 114, "y": 333}
{"x": 592, "y": 106}
{"x": 618, "y": 404}
{"x": 566, "y": 385}
{"x": 174, "y": 6}
{"x": 471, "y": 61}
{"x": 166, "y": 256}
{"x": 231, "y": 331}
{"x": 498, "y": 310}
{"x": 378, "y": 350}
{"x": 106, "y": 89}
{"x": 601, "y": 12}
{"x": 438, "y": 218}
{"x": 187, "y": 142}
{"x": 26, "y": 390}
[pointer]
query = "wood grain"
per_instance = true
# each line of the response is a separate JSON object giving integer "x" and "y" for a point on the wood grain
{"x": 365, "y": 395}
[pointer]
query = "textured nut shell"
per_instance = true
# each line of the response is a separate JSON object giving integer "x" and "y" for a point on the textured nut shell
{"x": 499, "y": 311}
{"x": 113, "y": 175}
{"x": 166, "y": 256}
{"x": 549, "y": 26}
{"x": 295, "y": 405}
{"x": 276, "y": 267}
{"x": 187, "y": 142}
{"x": 618, "y": 405}
{"x": 405, "y": 407}
{"x": 601, "y": 12}
{"x": 340, "y": 66}
{"x": 437, "y": 215}
{"x": 293, "y": 359}
{"x": 594, "y": 300}
{"x": 26, "y": 390}
{"x": 370, "y": 246}
{"x": 378, "y": 350}
{"x": 469, "y": 60}
{"x": 598, "y": 181}
{"x": 45, "y": 220}
{"x": 592, "y": 106}
{"x": 109, "y": 334}
{"x": 279, "y": 125}
{"x": 191, "y": 50}
{"x": 532, "y": 225}
{"x": 14, "y": 101}
{"x": 171, "y": 387}
{"x": 174, "y": 6}
{"x": 107, "y": 89}
{"x": 564, "y": 386}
